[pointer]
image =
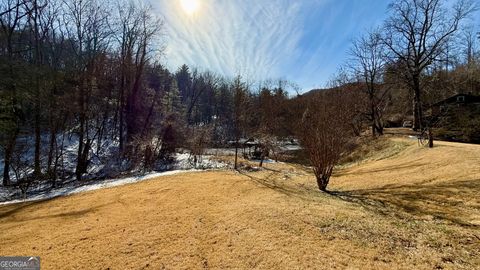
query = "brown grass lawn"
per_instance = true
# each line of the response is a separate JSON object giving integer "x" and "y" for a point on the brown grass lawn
{"x": 417, "y": 209}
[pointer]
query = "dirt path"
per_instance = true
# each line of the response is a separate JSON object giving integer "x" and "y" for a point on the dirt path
{"x": 380, "y": 217}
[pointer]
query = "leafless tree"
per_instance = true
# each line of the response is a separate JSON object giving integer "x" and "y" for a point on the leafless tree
{"x": 469, "y": 44}
{"x": 11, "y": 24}
{"x": 35, "y": 11}
{"x": 138, "y": 36}
{"x": 87, "y": 30}
{"x": 416, "y": 34}
{"x": 197, "y": 142}
{"x": 239, "y": 111}
{"x": 344, "y": 81}
{"x": 21, "y": 167}
{"x": 368, "y": 64}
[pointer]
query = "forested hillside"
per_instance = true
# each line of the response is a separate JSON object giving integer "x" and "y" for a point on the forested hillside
{"x": 88, "y": 75}
{"x": 84, "y": 84}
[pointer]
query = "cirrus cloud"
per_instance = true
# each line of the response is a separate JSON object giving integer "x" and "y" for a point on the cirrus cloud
{"x": 303, "y": 41}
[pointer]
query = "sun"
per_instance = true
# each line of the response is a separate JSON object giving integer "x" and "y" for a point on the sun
{"x": 190, "y": 6}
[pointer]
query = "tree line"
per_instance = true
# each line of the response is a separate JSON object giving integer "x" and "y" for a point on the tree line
{"x": 90, "y": 71}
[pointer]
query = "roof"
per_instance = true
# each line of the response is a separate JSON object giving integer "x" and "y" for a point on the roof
{"x": 454, "y": 99}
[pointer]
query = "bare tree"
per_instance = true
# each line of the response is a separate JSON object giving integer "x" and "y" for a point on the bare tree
{"x": 469, "y": 44}
{"x": 87, "y": 30}
{"x": 197, "y": 143}
{"x": 138, "y": 36}
{"x": 368, "y": 64}
{"x": 240, "y": 99}
{"x": 417, "y": 33}
{"x": 11, "y": 25}
{"x": 325, "y": 132}
{"x": 35, "y": 10}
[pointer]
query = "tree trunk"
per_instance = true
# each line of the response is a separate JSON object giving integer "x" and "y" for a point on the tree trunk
{"x": 430, "y": 138}
{"x": 38, "y": 61}
{"x": 322, "y": 182}
{"x": 417, "y": 105}
{"x": 80, "y": 164}
{"x": 236, "y": 154}
{"x": 263, "y": 156}
{"x": 51, "y": 150}
{"x": 374, "y": 115}
{"x": 132, "y": 117}
{"x": 12, "y": 140}
{"x": 379, "y": 126}
{"x": 6, "y": 168}
{"x": 323, "y": 176}
{"x": 37, "y": 170}
{"x": 417, "y": 115}
{"x": 8, "y": 156}
{"x": 380, "y": 130}
{"x": 121, "y": 111}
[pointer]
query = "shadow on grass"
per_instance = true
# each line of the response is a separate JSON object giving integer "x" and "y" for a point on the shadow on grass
{"x": 272, "y": 180}
{"x": 9, "y": 211}
{"x": 445, "y": 201}
{"x": 407, "y": 165}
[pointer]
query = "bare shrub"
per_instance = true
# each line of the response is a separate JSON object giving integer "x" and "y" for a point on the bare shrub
{"x": 325, "y": 133}
{"x": 198, "y": 141}
{"x": 21, "y": 166}
{"x": 268, "y": 147}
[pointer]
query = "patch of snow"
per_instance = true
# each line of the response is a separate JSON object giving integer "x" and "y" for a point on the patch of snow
{"x": 267, "y": 160}
{"x": 221, "y": 151}
{"x": 290, "y": 147}
{"x": 72, "y": 189}
{"x": 185, "y": 161}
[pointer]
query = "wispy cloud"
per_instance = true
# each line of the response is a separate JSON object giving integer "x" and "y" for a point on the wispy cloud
{"x": 250, "y": 37}
{"x": 299, "y": 40}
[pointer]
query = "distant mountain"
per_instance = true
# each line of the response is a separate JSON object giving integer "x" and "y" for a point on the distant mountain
{"x": 355, "y": 86}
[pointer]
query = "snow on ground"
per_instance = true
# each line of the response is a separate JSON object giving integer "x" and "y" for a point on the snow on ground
{"x": 290, "y": 147}
{"x": 184, "y": 163}
{"x": 73, "y": 189}
{"x": 101, "y": 156}
{"x": 104, "y": 165}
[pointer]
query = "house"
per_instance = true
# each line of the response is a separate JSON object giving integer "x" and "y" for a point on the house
{"x": 457, "y": 118}
{"x": 456, "y": 103}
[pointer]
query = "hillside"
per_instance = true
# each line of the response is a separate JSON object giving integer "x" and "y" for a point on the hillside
{"x": 403, "y": 208}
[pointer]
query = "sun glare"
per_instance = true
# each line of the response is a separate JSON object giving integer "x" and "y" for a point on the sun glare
{"x": 190, "y": 6}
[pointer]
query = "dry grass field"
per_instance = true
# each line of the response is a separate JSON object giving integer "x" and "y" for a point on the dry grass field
{"x": 404, "y": 207}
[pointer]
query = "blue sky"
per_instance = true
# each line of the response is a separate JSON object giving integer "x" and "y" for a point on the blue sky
{"x": 304, "y": 41}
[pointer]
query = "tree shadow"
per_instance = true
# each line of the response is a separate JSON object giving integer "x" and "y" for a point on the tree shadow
{"x": 292, "y": 191}
{"x": 408, "y": 165}
{"x": 444, "y": 201}
{"x": 9, "y": 211}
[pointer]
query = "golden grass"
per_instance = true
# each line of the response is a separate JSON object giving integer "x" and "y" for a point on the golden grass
{"x": 369, "y": 149}
{"x": 418, "y": 209}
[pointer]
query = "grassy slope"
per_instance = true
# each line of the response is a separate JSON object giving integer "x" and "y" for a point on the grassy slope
{"x": 417, "y": 209}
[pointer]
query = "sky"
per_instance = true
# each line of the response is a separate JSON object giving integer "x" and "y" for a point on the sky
{"x": 303, "y": 41}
